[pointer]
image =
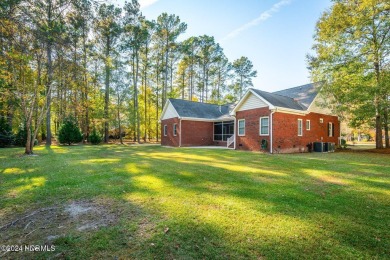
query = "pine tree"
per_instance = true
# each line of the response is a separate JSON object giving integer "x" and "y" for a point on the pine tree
{"x": 70, "y": 132}
{"x": 95, "y": 137}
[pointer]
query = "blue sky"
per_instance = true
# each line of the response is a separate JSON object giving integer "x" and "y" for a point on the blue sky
{"x": 275, "y": 35}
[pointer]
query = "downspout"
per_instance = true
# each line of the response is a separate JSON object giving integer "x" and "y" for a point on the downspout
{"x": 235, "y": 135}
{"x": 271, "y": 132}
{"x": 338, "y": 119}
{"x": 180, "y": 132}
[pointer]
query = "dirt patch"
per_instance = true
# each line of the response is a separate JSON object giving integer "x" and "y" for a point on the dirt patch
{"x": 49, "y": 223}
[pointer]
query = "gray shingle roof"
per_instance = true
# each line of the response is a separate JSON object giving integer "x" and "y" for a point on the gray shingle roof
{"x": 187, "y": 108}
{"x": 304, "y": 94}
{"x": 298, "y": 98}
{"x": 279, "y": 100}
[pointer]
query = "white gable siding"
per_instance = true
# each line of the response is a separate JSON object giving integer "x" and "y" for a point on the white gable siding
{"x": 251, "y": 102}
{"x": 316, "y": 107}
{"x": 170, "y": 112}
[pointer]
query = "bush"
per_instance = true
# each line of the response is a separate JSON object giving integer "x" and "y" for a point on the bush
{"x": 69, "y": 132}
{"x": 21, "y": 136}
{"x": 95, "y": 137}
{"x": 6, "y": 136}
{"x": 343, "y": 144}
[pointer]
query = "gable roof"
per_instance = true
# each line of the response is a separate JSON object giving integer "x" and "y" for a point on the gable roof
{"x": 304, "y": 94}
{"x": 279, "y": 100}
{"x": 193, "y": 109}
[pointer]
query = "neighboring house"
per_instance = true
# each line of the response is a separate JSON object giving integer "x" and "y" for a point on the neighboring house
{"x": 285, "y": 121}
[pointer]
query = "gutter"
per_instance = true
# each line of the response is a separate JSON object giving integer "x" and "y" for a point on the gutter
{"x": 180, "y": 132}
{"x": 271, "y": 134}
{"x": 235, "y": 136}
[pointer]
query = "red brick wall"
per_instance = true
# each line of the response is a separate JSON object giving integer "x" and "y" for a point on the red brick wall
{"x": 285, "y": 131}
{"x": 197, "y": 133}
{"x": 170, "y": 139}
{"x": 194, "y": 133}
{"x": 251, "y": 140}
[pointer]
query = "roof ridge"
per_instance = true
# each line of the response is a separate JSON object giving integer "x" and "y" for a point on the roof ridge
{"x": 292, "y": 99}
{"x": 314, "y": 83}
{"x": 198, "y": 102}
{"x": 273, "y": 93}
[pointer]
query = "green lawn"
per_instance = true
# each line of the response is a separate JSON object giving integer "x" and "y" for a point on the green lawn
{"x": 148, "y": 202}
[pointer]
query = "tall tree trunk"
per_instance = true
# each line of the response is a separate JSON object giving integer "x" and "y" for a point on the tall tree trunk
{"x": 85, "y": 96}
{"x": 107, "y": 91}
{"x": 28, "y": 149}
{"x": 386, "y": 126}
{"x": 164, "y": 97}
{"x": 49, "y": 76}
{"x": 48, "y": 92}
{"x": 145, "y": 109}
{"x": 119, "y": 119}
{"x": 136, "y": 96}
{"x": 157, "y": 103}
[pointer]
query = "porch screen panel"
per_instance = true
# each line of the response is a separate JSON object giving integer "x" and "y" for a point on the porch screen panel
{"x": 223, "y": 130}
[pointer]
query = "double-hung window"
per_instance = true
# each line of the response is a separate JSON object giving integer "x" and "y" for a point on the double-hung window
{"x": 165, "y": 130}
{"x": 300, "y": 132}
{"x": 241, "y": 127}
{"x": 330, "y": 129}
{"x": 174, "y": 129}
{"x": 264, "y": 125}
{"x": 307, "y": 124}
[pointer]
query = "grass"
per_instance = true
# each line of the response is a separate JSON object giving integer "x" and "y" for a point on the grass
{"x": 203, "y": 203}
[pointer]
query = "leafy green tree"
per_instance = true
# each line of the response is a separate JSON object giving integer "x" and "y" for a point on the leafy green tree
{"x": 352, "y": 59}
{"x": 69, "y": 132}
{"x": 134, "y": 37}
{"x": 243, "y": 69}
{"x": 168, "y": 29}
{"x": 108, "y": 29}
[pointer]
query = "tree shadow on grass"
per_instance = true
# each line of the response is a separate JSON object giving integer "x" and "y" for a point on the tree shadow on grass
{"x": 248, "y": 204}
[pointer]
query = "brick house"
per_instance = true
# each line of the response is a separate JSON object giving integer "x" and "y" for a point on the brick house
{"x": 285, "y": 121}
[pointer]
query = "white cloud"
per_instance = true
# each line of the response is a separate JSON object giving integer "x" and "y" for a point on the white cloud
{"x": 146, "y": 3}
{"x": 263, "y": 17}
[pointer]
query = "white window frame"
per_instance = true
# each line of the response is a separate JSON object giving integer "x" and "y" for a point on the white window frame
{"x": 165, "y": 130}
{"x": 308, "y": 125}
{"x": 321, "y": 120}
{"x": 238, "y": 127}
{"x": 300, "y": 127}
{"x": 174, "y": 129}
{"x": 260, "y": 124}
{"x": 330, "y": 129}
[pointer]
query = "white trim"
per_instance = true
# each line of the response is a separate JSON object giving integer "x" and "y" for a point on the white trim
{"x": 248, "y": 92}
{"x": 174, "y": 129}
{"x": 222, "y": 130}
{"x": 308, "y": 121}
{"x": 165, "y": 130}
{"x": 180, "y": 133}
{"x": 321, "y": 120}
{"x": 291, "y": 111}
{"x": 260, "y": 134}
{"x": 235, "y": 137}
{"x": 238, "y": 127}
{"x": 271, "y": 131}
{"x": 300, "y": 120}
{"x": 206, "y": 119}
{"x": 165, "y": 109}
{"x": 330, "y": 129}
